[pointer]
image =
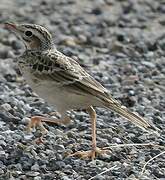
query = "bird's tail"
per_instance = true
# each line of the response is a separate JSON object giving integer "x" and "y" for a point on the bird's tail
{"x": 131, "y": 116}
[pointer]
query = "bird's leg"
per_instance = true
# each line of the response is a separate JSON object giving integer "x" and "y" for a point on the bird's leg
{"x": 95, "y": 150}
{"x": 92, "y": 115}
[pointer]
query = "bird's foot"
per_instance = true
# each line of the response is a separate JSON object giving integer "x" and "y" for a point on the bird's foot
{"x": 37, "y": 121}
{"x": 91, "y": 154}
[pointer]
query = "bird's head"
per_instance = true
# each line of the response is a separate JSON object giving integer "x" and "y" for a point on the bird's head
{"x": 35, "y": 37}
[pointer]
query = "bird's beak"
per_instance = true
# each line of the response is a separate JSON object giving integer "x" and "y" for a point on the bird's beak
{"x": 14, "y": 28}
{"x": 10, "y": 26}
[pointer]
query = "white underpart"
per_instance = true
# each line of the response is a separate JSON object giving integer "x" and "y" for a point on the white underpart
{"x": 52, "y": 93}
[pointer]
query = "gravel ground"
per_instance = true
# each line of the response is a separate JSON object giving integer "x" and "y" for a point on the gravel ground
{"x": 120, "y": 42}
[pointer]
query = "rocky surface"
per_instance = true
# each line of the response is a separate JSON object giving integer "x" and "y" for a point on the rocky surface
{"x": 120, "y": 42}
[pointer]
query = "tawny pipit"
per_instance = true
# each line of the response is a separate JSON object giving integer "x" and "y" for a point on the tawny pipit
{"x": 62, "y": 82}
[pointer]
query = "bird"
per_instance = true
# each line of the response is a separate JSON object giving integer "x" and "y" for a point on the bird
{"x": 63, "y": 83}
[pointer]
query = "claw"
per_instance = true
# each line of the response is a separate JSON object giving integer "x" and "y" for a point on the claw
{"x": 91, "y": 154}
{"x": 37, "y": 121}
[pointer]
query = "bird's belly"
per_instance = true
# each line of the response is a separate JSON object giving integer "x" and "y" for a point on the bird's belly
{"x": 59, "y": 97}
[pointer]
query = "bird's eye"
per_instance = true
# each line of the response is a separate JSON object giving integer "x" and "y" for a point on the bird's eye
{"x": 28, "y": 33}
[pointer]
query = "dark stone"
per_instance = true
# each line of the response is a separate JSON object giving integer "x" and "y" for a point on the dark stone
{"x": 97, "y": 11}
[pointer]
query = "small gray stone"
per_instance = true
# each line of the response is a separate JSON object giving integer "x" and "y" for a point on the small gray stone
{"x": 148, "y": 64}
{"x": 35, "y": 167}
{"x": 37, "y": 178}
{"x": 59, "y": 147}
{"x": 32, "y": 174}
{"x": 1, "y": 171}
{"x": 66, "y": 178}
{"x": 28, "y": 136}
{"x": 2, "y": 153}
{"x": 2, "y": 143}
{"x": 17, "y": 137}
{"x": 117, "y": 140}
{"x": 6, "y": 107}
{"x": 25, "y": 120}
{"x": 2, "y": 137}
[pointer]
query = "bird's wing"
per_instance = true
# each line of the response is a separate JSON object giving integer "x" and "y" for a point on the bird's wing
{"x": 68, "y": 73}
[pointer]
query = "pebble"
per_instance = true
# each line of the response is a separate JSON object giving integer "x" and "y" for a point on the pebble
{"x": 2, "y": 154}
{"x": 37, "y": 178}
{"x": 59, "y": 147}
{"x": 32, "y": 174}
{"x": 6, "y": 107}
{"x": 65, "y": 178}
{"x": 148, "y": 64}
{"x": 1, "y": 171}
{"x": 3, "y": 52}
{"x": 117, "y": 140}
{"x": 35, "y": 167}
